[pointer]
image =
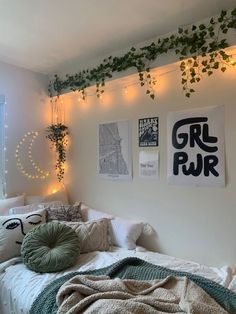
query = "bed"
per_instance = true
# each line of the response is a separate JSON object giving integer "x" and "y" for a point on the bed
{"x": 20, "y": 286}
{"x": 104, "y": 240}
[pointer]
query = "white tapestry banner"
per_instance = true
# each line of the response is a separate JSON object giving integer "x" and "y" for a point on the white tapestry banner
{"x": 196, "y": 153}
{"x": 114, "y": 150}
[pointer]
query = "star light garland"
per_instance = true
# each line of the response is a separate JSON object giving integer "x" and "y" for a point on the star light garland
{"x": 40, "y": 174}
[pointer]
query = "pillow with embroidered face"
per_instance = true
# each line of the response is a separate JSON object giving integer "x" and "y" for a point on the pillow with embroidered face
{"x": 13, "y": 228}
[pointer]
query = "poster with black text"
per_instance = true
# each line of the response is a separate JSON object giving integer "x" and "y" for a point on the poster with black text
{"x": 148, "y": 132}
{"x": 196, "y": 147}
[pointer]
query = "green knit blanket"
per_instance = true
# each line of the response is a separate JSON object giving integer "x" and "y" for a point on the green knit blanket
{"x": 134, "y": 268}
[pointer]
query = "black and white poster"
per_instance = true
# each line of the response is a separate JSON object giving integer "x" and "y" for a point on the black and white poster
{"x": 148, "y": 132}
{"x": 149, "y": 165}
{"x": 114, "y": 150}
{"x": 196, "y": 147}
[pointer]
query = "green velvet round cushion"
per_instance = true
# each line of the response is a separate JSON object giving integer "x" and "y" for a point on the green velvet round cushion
{"x": 50, "y": 247}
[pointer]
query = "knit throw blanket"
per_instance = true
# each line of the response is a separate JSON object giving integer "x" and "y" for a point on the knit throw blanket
{"x": 100, "y": 294}
{"x": 136, "y": 269}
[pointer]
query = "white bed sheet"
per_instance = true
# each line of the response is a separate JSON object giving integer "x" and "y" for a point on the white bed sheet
{"x": 19, "y": 286}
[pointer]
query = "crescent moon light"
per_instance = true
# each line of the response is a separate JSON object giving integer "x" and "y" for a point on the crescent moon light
{"x": 40, "y": 174}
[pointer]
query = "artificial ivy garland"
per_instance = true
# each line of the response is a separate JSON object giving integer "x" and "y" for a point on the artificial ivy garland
{"x": 57, "y": 134}
{"x": 204, "y": 42}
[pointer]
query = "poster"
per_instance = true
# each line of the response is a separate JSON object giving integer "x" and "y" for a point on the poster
{"x": 148, "y": 132}
{"x": 196, "y": 153}
{"x": 149, "y": 165}
{"x": 114, "y": 151}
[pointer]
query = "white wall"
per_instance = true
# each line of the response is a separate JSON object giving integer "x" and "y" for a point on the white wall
{"x": 27, "y": 110}
{"x": 192, "y": 223}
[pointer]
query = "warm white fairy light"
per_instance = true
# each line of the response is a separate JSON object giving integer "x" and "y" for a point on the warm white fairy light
{"x": 40, "y": 173}
{"x": 82, "y": 96}
{"x": 3, "y": 144}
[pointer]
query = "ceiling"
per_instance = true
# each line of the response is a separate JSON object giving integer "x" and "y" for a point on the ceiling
{"x": 47, "y": 35}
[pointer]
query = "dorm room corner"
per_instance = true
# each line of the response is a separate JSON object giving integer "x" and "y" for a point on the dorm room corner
{"x": 117, "y": 157}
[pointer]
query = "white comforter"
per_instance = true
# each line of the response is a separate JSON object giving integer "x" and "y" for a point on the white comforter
{"x": 19, "y": 286}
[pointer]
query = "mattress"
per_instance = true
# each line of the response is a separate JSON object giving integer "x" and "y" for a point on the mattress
{"x": 19, "y": 286}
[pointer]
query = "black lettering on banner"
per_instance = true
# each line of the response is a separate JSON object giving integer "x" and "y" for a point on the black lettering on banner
{"x": 210, "y": 162}
{"x": 192, "y": 170}
{"x": 180, "y": 158}
{"x": 195, "y": 132}
{"x": 183, "y": 136}
{"x": 198, "y": 135}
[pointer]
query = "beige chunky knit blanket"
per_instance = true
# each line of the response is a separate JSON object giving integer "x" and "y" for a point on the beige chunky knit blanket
{"x": 99, "y": 294}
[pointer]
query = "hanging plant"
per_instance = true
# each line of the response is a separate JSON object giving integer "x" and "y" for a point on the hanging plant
{"x": 57, "y": 134}
{"x": 204, "y": 43}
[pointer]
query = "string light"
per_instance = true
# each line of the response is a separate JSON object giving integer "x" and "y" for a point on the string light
{"x": 3, "y": 169}
{"x": 82, "y": 96}
{"x": 40, "y": 174}
{"x": 137, "y": 82}
{"x": 57, "y": 110}
{"x": 125, "y": 89}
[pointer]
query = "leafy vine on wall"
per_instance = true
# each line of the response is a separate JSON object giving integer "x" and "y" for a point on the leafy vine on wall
{"x": 205, "y": 44}
{"x": 57, "y": 134}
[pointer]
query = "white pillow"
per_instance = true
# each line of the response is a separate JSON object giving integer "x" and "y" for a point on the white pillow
{"x": 13, "y": 228}
{"x": 89, "y": 214}
{"x": 22, "y": 209}
{"x": 32, "y": 207}
{"x": 33, "y": 199}
{"x": 6, "y": 204}
{"x": 124, "y": 233}
{"x": 60, "y": 195}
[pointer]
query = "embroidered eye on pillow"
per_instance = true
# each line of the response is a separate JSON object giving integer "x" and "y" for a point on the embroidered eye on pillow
{"x": 13, "y": 228}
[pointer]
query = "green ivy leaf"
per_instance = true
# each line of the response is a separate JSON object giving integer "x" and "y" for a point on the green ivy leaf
{"x": 193, "y": 40}
{"x": 202, "y": 27}
{"x": 152, "y": 96}
{"x": 233, "y": 12}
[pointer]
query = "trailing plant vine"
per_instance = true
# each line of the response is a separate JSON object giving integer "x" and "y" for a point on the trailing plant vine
{"x": 204, "y": 43}
{"x": 57, "y": 134}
